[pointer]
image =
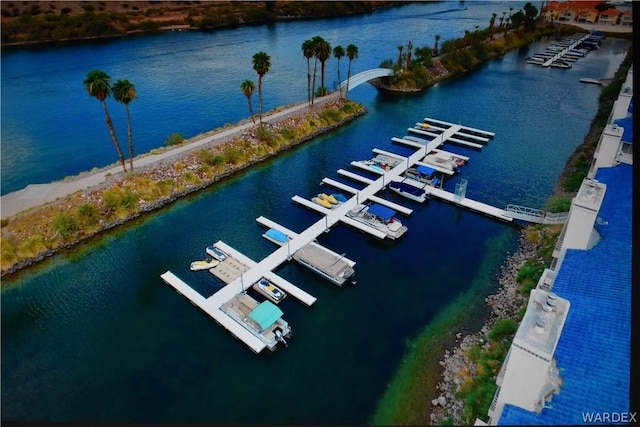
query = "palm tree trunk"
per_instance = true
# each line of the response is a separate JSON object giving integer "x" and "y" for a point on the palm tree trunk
{"x": 313, "y": 87}
{"x": 346, "y": 93}
{"x": 339, "y": 87}
{"x": 251, "y": 110}
{"x": 129, "y": 137}
{"x": 260, "y": 96}
{"x": 308, "y": 81}
{"x": 114, "y": 137}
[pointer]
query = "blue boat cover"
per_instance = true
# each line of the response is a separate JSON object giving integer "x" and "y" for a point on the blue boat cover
{"x": 425, "y": 170}
{"x": 407, "y": 188}
{"x": 381, "y": 211}
{"x": 339, "y": 197}
{"x": 276, "y": 235}
{"x": 265, "y": 314}
{"x": 627, "y": 125}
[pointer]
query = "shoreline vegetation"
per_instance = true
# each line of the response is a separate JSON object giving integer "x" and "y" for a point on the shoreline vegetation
{"x": 32, "y": 236}
{"x": 433, "y": 384}
{"x": 43, "y": 22}
{"x": 448, "y": 377}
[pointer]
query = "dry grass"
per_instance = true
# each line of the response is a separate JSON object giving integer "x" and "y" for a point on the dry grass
{"x": 27, "y": 236}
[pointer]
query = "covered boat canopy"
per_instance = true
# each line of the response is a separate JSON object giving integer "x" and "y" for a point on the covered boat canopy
{"x": 265, "y": 314}
{"x": 381, "y": 211}
{"x": 277, "y": 235}
{"x": 407, "y": 188}
{"x": 426, "y": 170}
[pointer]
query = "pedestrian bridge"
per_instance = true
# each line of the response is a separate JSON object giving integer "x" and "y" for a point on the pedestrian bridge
{"x": 365, "y": 76}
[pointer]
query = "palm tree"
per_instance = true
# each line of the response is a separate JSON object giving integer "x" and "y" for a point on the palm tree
{"x": 492, "y": 23}
{"x": 400, "y": 47}
{"x": 338, "y": 53}
{"x": 97, "y": 85}
{"x": 409, "y": 49}
{"x": 323, "y": 52}
{"x": 124, "y": 91}
{"x": 435, "y": 48}
{"x": 308, "y": 52}
{"x": 247, "y": 87}
{"x": 352, "y": 53}
{"x": 261, "y": 63}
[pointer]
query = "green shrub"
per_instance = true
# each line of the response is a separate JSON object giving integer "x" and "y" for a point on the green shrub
{"x": 65, "y": 224}
{"x": 330, "y": 115}
{"x": 88, "y": 213}
{"x": 503, "y": 328}
{"x": 111, "y": 199}
{"x": 557, "y": 204}
{"x": 174, "y": 139}
{"x": 129, "y": 199}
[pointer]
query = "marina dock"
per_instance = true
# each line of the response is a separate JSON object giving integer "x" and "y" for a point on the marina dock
{"x": 240, "y": 272}
{"x": 334, "y": 267}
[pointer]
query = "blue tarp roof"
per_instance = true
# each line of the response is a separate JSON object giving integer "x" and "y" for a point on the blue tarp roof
{"x": 381, "y": 211}
{"x": 425, "y": 170}
{"x": 265, "y": 314}
{"x": 627, "y": 125}
{"x": 593, "y": 352}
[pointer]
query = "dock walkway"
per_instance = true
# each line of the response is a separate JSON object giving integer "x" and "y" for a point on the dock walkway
{"x": 254, "y": 271}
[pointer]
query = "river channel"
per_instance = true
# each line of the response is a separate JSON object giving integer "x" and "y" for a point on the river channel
{"x": 95, "y": 335}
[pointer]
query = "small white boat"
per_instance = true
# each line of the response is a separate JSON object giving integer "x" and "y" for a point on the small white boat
{"x": 276, "y": 236}
{"x": 216, "y": 253}
{"x": 269, "y": 290}
{"x": 435, "y": 160}
{"x": 379, "y": 164}
{"x": 378, "y": 217}
{"x": 201, "y": 265}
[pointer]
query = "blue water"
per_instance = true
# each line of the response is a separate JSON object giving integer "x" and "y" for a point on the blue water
{"x": 95, "y": 335}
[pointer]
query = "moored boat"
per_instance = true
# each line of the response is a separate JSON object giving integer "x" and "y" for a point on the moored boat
{"x": 322, "y": 202}
{"x": 435, "y": 160}
{"x": 276, "y": 236}
{"x": 379, "y": 164}
{"x": 201, "y": 265}
{"x": 216, "y": 253}
{"x": 409, "y": 191}
{"x": 263, "y": 320}
{"x": 269, "y": 290}
{"x": 378, "y": 217}
{"x": 423, "y": 174}
{"x": 329, "y": 198}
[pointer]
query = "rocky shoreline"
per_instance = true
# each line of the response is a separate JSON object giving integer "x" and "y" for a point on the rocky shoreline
{"x": 505, "y": 303}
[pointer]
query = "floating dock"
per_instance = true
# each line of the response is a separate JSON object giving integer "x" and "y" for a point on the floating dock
{"x": 240, "y": 272}
{"x": 334, "y": 267}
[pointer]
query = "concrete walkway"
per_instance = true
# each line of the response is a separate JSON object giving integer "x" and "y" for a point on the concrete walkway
{"x": 39, "y": 194}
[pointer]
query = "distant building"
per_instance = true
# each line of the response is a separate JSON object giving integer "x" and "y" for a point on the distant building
{"x": 586, "y": 12}
{"x": 570, "y": 360}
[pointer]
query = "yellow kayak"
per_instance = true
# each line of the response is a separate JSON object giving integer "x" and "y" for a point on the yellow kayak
{"x": 329, "y": 198}
{"x": 321, "y": 202}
